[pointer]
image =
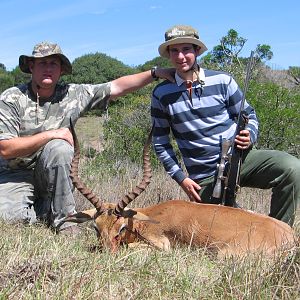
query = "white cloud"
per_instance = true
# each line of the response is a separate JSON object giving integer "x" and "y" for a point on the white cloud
{"x": 153, "y": 7}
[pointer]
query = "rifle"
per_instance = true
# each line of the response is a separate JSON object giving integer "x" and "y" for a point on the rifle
{"x": 228, "y": 170}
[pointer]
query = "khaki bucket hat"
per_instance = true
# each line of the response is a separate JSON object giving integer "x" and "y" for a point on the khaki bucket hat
{"x": 45, "y": 49}
{"x": 180, "y": 34}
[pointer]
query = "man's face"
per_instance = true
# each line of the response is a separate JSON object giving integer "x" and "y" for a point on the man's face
{"x": 46, "y": 71}
{"x": 182, "y": 56}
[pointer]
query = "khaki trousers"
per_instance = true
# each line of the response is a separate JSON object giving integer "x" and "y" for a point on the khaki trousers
{"x": 44, "y": 193}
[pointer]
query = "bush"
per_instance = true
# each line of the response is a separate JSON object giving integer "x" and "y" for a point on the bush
{"x": 127, "y": 128}
{"x": 6, "y": 80}
{"x": 278, "y": 111}
{"x": 97, "y": 68}
{"x": 129, "y": 123}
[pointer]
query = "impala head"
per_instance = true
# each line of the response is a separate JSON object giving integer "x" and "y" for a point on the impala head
{"x": 110, "y": 219}
{"x": 109, "y": 227}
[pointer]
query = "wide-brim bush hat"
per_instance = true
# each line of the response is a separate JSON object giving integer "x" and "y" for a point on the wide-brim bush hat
{"x": 180, "y": 34}
{"x": 45, "y": 49}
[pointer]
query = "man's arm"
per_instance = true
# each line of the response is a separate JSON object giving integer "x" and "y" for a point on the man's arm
{"x": 130, "y": 83}
{"x": 161, "y": 140}
{"x": 24, "y": 146}
{"x": 165, "y": 153}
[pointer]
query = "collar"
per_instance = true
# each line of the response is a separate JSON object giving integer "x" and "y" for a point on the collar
{"x": 180, "y": 81}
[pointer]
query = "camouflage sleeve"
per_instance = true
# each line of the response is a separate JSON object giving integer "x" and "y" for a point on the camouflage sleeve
{"x": 101, "y": 96}
{"x": 90, "y": 95}
{"x": 9, "y": 114}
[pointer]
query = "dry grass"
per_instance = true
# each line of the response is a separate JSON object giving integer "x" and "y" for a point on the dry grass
{"x": 162, "y": 187}
{"x": 37, "y": 264}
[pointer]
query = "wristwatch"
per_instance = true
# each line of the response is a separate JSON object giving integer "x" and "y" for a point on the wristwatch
{"x": 153, "y": 73}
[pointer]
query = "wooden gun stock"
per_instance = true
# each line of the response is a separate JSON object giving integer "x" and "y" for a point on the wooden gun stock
{"x": 217, "y": 192}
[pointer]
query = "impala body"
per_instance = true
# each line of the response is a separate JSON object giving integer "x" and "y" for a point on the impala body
{"x": 220, "y": 229}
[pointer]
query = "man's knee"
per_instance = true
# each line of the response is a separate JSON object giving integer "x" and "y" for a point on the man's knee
{"x": 57, "y": 152}
{"x": 290, "y": 165}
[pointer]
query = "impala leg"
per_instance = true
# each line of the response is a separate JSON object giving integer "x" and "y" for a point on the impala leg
{"x": 160, "y": 242}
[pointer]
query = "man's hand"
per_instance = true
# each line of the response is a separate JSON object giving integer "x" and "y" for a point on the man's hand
{"x": 62, "y": 133}
{"x": 130, "y": 83}
{"x": 242, "y": 140}
{"x": 166, "y": 73}
{"x": 191, "y": 188}
{"x": 26, "y": 145}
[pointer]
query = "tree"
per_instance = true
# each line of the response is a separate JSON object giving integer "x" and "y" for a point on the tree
{"x": 226, "y": 53}
{"x": 6, "y": 80}
{"x": 232, "y": 45}
{"x": 2, "y": 67}
{"x": 19, "y": 76}
{"x": 157, "y": 61}
{"x": 97, "y": 68}
{"x": 264, "y": 52}
{"x": 13, "y": 78}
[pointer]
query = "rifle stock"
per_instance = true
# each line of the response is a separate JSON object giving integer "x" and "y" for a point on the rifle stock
{"x": 217, "y": 192}
{"x": 232, "y": 179}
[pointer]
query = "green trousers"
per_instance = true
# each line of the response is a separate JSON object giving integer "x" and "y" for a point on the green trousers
{"x": 268, "y": 169}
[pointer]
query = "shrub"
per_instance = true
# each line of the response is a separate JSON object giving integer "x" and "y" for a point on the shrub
{"x": 278, "y": 111}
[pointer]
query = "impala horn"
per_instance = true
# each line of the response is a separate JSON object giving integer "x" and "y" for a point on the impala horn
{"x": 81, "y": 187}
{"x": 147, "y": 174}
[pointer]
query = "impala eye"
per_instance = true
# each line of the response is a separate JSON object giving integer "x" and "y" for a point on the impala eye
{"x": 110, "y": 212}
{"x": 122, "y": 228}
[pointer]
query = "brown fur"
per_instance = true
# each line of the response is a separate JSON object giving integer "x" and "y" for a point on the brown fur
{"x": 222, "y": 230}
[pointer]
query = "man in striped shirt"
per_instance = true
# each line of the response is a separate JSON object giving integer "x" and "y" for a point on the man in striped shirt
{"x": 200, "y": 109}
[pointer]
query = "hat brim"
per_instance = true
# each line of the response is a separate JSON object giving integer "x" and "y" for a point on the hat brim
{"x": 163, "y": 48}
{"x": 66, "y": 66}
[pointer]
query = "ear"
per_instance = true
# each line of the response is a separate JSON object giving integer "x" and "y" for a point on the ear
{"x": 81, "y": 217}
{"x": 30, "y": 65}
{"x": 197, "y": 50}
{"x": 130, "y": 213}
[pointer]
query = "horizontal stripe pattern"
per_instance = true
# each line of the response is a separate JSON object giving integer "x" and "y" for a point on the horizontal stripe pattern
{"x": 198, "y": 124}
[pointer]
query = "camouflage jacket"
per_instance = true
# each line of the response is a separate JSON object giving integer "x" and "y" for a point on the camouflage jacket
{"x": 21, "y": 116}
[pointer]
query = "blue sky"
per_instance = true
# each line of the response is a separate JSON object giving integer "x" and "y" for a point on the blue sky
{"x": 131, "y": 30}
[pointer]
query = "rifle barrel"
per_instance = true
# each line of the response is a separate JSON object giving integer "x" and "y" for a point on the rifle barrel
{"x": 232, "y": 180}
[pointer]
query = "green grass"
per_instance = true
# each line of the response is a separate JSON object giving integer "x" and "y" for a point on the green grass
{"x": 38, "y": 264}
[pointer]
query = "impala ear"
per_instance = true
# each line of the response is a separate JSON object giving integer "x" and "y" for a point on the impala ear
{"x": 81, "y": 217}
{"x": 136, "y": 215}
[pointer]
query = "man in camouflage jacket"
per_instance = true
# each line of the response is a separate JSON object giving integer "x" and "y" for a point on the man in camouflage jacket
{"x": 36, "y": 145}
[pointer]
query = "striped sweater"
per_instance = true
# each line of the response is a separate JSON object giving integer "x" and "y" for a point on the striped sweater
{"x": 199, "y": 121}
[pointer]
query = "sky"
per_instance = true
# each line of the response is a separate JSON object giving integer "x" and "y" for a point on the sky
{"x": 132, "y": 30}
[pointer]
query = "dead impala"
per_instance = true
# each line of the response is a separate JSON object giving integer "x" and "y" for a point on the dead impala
{"x": 220, "y": 229}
